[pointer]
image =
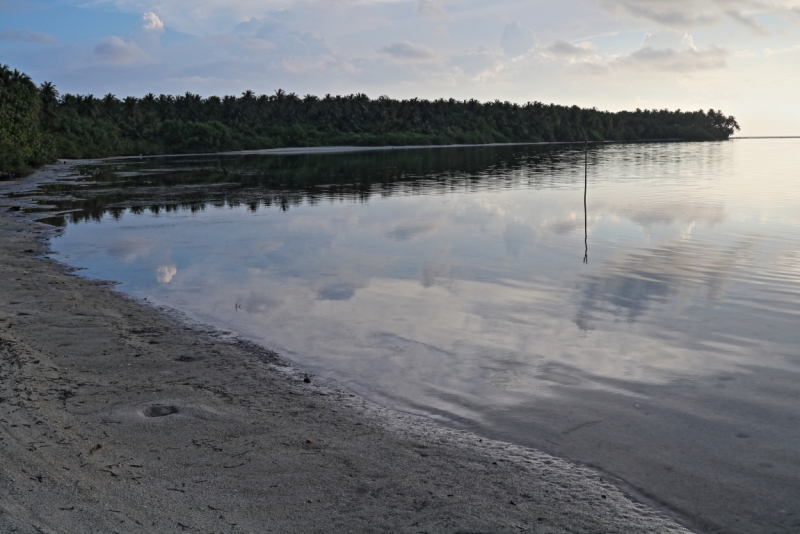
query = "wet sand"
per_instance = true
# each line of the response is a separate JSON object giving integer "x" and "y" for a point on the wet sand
{"x": 116, "y": 416}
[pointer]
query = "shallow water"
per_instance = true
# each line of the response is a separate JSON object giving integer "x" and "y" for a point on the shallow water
{"x": 654, "y": 335}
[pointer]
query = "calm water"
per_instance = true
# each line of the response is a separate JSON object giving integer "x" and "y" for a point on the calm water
{"x": 661, "y": 345}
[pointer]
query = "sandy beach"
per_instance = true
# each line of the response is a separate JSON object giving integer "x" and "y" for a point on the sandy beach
{"x": 117, "y": 416}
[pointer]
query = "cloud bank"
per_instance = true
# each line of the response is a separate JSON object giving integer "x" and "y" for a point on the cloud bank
{"x": 118, "y": 51}
{"x": 673, "y": 51}
{"x": 406, "y": 51}
{"x": 685, "y": 14}
{"x": 431, "y": 10}
{"x": 28, "y": 36}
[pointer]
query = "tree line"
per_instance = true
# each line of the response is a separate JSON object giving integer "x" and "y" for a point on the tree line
{"x": 38, "y": 125}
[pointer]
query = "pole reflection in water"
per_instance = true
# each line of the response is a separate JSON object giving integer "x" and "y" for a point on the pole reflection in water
{"x": 585, "y": 190}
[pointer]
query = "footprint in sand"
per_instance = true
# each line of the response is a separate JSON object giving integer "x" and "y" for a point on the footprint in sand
{"x": 159, "y": 411}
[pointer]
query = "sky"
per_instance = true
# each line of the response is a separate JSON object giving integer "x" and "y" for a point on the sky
{"x": 739, "y": 56}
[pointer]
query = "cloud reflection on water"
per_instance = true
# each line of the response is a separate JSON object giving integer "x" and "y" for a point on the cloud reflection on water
{"x": 451, "y": 283}
{"x": 165, "y": 273}
{"x": 479, "y": 293}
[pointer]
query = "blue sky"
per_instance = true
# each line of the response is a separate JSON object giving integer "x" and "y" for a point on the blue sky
{"x": 741, "y": 56}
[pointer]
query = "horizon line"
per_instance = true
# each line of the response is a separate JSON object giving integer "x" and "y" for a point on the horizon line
{"x": 765, "y": 137}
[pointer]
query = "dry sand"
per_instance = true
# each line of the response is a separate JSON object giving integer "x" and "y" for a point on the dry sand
{"x": 116, "y": 416}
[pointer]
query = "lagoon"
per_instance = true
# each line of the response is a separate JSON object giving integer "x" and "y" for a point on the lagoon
{"x": 653, "y": 336}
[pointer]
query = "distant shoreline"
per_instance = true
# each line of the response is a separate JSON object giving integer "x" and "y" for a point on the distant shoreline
{"x": 731, "y": 138}
{"x": 48, "y": 126}
{"x": 337, "y": 149}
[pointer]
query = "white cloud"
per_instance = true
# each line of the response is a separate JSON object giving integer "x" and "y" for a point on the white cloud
{"x": 771, "y": 52}
{"x": 498, "y": 71}
{"x": 151, "y": 23}
{"x": 563, "y": 49}
{"x": 683, "y": 14}
{"x": 516, "y": 40}
{"x": 28, "y": 36}
{"x": 118, "y": 51}
{"x": 673, "y": 51}
{"x": 669, "y": 59}
{"x": 431, "y": 9}
{"x": 405, "y": 51}
{"x": 668, "y": 39}
{"x": 268, "y": 34}
{"x": 201, "y": 16}
{"x": 748, "y": 21}
{"x": 666, "y": 51}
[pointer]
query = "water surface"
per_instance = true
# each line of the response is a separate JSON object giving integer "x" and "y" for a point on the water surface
{"x": 654, "y": 336}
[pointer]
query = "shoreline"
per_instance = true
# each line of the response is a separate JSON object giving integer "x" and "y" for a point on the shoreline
{"x": 338, "y": 149}
{"x": 121, "y": 415}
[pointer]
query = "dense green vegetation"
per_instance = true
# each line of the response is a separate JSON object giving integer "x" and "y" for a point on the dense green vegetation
{"x": 38, "y": 124}
{"x": 23, "y": 142}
